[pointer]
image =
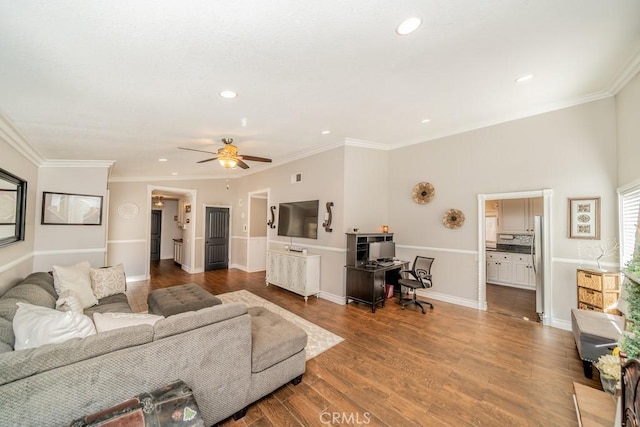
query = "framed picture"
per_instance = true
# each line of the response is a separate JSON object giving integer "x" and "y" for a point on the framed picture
{"x": 71, "y": 209}
{"x": 584, "y": 218}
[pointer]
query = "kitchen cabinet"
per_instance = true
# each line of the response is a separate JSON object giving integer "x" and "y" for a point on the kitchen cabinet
{"x": 177, "y": 251}
{"x": 294, "y": 271}
{"x": 517, "y": 215}
{"x": 509, "y": 269}
{"x": 598, "y": 290}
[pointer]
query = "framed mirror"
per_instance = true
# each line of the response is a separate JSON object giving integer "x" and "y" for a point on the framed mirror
{"x": 13, "y": 207}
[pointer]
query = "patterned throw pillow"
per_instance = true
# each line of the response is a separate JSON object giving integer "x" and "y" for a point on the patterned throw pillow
{"x": 108, "y": 281}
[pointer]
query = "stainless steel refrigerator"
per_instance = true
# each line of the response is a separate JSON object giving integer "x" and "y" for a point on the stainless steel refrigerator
{"x": 538, "y": 267}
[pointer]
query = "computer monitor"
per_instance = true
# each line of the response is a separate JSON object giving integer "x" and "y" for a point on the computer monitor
{"x": 379, "y": 251}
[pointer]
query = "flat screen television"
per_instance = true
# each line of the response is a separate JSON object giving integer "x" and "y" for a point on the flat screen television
{"x": 298, "y": 219}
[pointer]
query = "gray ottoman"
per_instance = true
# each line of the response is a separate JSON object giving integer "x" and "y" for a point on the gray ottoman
{"x": 273, "y": 339}
{"x": 595, "y": 334}
{"x": 179, "y": 299}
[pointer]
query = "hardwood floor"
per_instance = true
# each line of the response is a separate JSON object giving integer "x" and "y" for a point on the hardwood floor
{"x": 513, "y": 302}
{"x": 452, "y": 366}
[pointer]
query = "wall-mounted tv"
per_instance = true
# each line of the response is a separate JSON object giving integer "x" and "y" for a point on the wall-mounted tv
{"x": 298, "y": 219}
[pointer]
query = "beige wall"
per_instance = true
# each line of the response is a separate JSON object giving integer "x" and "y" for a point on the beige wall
{"x": 70, "y": 244}
{"x": 322, "y": 179}
{"x": 16, "y": 260}
{"x": 571, "y": 151}
{"x": 628, "y": 127}
{"x": 366, "y": 183}
{"x": 258, "y": 220}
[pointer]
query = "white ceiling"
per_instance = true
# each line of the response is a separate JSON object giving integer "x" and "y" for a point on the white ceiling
{"x": 131, "y": 81}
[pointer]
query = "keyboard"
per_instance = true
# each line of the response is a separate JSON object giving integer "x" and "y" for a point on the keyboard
{"x": 386, "y": 263}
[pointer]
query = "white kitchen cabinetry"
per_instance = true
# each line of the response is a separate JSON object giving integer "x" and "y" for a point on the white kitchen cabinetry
{"x": 516, "y": 215}
{"x": 516, "y": 270}
{"x": 296, "y": 272}
{"x": 177, "y": 251}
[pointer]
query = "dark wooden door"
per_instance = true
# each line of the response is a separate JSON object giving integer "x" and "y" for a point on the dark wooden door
{"x": 216, "y": 245}
{"x": 156, "y": 226}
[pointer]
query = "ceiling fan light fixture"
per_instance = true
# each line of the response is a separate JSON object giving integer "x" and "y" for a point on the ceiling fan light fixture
{"x": 157, "y": 201}
{"x": 227, "y": 162}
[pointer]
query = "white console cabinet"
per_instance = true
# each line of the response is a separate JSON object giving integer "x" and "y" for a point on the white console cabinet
{"x": 294, "y": 271}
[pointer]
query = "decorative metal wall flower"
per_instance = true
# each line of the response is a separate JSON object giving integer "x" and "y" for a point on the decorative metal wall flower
{"x": 423, "y": 192}
{"x": 453, "y": 218}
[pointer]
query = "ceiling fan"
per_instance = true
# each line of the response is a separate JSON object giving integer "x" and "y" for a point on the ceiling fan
{"x": 228, "y": 156}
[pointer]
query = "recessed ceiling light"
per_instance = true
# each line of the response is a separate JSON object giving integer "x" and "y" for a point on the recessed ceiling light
{"x": 524, "y": 78}
{"x": 162, "y": 160}
{"x": 326, "y": 132}
{"x": 408, "y": 26}
{"x": 425, "y": 121}
{"x": 174, "y": 173}
{"x": 228, "y": 94}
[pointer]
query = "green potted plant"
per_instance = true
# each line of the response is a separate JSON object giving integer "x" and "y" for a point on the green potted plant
{"x": 630, "y": 343}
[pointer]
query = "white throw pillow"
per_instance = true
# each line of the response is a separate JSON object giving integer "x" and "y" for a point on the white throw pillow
{"x": 76, "y": 278}
{"x": 34, "y": 326}
{"x": 109, "y": 321}
{"x": 69, "y": 301}
{"x": 108, "y": 281}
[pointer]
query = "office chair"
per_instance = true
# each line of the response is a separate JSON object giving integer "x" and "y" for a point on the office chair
{"x": 421, "y": 278}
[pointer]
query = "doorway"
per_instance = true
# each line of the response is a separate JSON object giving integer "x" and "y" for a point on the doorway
{"x": 156, "y": 234}
{"x": 529, "y": 295}
{"x": 216, "y": 244}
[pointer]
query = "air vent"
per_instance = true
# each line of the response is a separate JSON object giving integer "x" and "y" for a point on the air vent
{"x": 296, "y": 177}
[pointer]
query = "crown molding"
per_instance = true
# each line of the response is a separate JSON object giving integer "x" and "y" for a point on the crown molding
{"x": 628, "y": 71}
{"x": 10, "y": 134}
{"x": 77, "y": 163}
{"x": 351, "y": 142}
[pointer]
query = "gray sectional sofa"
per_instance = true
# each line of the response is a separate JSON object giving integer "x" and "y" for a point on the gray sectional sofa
{"x": 229, "y": 355}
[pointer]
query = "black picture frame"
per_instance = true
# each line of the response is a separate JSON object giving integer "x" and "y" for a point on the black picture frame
{"x": 71, "y": 209}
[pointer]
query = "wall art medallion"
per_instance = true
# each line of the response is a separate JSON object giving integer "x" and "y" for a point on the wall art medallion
{"x": 128, "y": 210}
{"x": 423, "y": 192}
{"x": 453, "y": 218}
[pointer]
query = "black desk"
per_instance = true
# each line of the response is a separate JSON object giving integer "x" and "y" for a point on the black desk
{"x": 366, "y": 284}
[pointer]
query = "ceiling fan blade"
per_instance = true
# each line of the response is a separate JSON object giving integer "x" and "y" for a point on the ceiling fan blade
{"x": 207, "y": 160}
{"x": 255, "y": 159}
{"x": 193, "y": 149}
{"x": 242, "y": 164}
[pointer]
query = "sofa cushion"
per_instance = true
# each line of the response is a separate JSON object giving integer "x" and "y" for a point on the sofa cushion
{"x": 108, "y": 281}
{"x": 34, "y": 291}
{"x": 118, "y": 303}
{"x": 31, "y": 294}
{"x": 183, "y": 322}
{"x": 35, "y": 326}
{"x": 43, "y": 280}
{"x": 110, "y": 321}
{"x": 25, "y": 363}
{"x": 75, "y": 277}
{"x": 273, "y": 339}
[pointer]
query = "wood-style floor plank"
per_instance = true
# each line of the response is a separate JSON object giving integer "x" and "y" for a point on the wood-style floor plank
{"x": 452, "y": 366}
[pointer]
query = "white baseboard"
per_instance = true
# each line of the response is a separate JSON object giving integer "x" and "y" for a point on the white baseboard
{"x": 138, "y": 278}
{"x": 337, "y": 299}
{"x": 448, "y": 298}
{"x": 239, "y": 267}
{"x": 560, "y": 324}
